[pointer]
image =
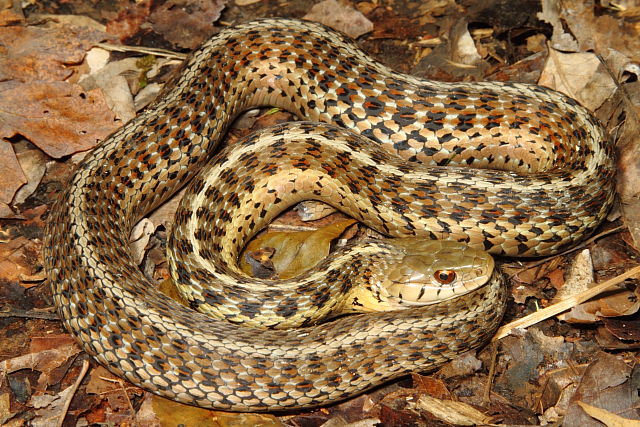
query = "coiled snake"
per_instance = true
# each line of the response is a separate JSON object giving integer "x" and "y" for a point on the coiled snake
{"x": 553, "y": 189}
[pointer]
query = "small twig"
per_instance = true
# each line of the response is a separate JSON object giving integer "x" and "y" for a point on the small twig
{"x": 146, "y": 50}
{"x": 565, "y": 304}
{"x": 76, "y": 384}
{"x": 492, "y": 371}
{"x": 30, "y": 314}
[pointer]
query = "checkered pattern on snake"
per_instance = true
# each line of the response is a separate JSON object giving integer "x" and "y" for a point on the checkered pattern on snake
{"x": 143, "y": 336}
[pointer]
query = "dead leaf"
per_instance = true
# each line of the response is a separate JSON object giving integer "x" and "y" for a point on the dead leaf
{"x": 627, "y": 329}
{"x": 603, "y": 34}
{"x": 621, "y": 113}
{"x": 578, "y": 75}
{"x": 156, "y": 410}
{"x": 608, "y": 383}
{"x": 5, "y": 408}
{"x": 115, "y": 391}
{"x": 11, "y": 175}
{"x": 50, "y": 342}
{"x": 463, "y": 48}
{"x": 58, "y": 117}
{"x": 111, "y": 78}
{"x": 44, "y": 362}
{"x": 14, "y": 262}
{"x": 33, "y": 164}
{"x": 560, "y": 39}
{"x": 186, "y": 23}
{"x": 341, "y": 16}
{"x": 608, "y": 418}
{"x": 34, "y": 53}
{"x": 129, "y": 19}
{"x": 297, "y": 252}
{"x": 67, "y": 21}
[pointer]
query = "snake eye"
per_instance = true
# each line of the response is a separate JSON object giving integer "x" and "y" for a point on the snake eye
{"x": 445, "y": 276}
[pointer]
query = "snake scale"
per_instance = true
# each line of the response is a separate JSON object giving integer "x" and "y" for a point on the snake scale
{"x": 552, "y": 187}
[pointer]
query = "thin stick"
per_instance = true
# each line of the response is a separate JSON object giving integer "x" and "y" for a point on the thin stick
{"x": 146, "y": 50}
{"x": 72, "y": 392}
{"x": 564, "y": 305}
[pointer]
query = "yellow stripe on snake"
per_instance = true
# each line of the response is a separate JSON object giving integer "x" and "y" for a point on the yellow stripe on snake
{"x": 513, "y": 169}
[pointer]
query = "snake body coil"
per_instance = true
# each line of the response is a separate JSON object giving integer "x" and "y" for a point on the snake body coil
{"x": 143, "y": 336}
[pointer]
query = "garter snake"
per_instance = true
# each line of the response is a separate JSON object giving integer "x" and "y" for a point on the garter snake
{"x": 531, "y": 173}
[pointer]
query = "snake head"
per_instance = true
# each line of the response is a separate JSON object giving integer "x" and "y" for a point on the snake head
{"x": 415, "y": 272}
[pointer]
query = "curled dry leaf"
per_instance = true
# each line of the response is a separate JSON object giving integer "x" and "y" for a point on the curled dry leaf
{"x": 33, "y": 164}
{"x": 578, "y": 75}
{"x": 186, "y": 23}
{"x": 11, "y": 175}
{"x": 608, "y": 383}
{"x": 296, "y": 252}
{"x": 463, "y": 48}
{"x": 112, "y": 80}
{"x": 35, "y": 53}
{"x": 59, "y": 117}
{"x": 43, "y": 361}
{"x": 608, "y": 418}
{"x": 340, "y": 16}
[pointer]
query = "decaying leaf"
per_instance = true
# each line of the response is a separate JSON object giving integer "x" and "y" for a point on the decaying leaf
{"x": 608, "y": 418}
{"x": 609, "y": 384}
{"x": 578, "y": 75}
{"x": 33, "y": 53}
{"x": 296, "y": 252}
{"x": 43, "y": 362}
{"x": 186, "y": 23}
{"x": 59, "y": 117}
{"x": 340, "y": 16}
{"x": 11, "y": 175}
{"x": 159, "y": 411}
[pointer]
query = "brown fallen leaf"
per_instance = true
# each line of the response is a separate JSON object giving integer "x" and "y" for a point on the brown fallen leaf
{"x": 159, "y": 411}
{"x": 14, "y": 262}
{"x": 608, "y": 383}
{"x": 5, "y": 408}
{"x": 59, "y": 117}
{"x": 34, "y": 53}
{"x": 129, "y": 19}
{"x": 11, "y": 175}
{"x": 601, "y": 33}
{"x": 186, "y": 23}
{"x": 578, "y": 75}
{"x": 296, "y": 252}
{"x": 33, "y": 164}
{"x": 608, "y": 418}
{"x": 113, "y": 390}
{"x": 624, "y": 111}
{"x": 43, "y": 361}
{"x": 340, "y": 16}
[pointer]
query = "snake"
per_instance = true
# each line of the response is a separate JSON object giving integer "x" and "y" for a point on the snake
{"x": 511, "y": 168}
